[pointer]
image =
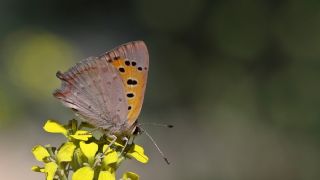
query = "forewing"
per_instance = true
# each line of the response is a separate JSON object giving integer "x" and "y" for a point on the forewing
{"x": 94, "y": 89}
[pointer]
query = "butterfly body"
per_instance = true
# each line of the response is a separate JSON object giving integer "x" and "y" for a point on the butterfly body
{"x": 107, "y": 91}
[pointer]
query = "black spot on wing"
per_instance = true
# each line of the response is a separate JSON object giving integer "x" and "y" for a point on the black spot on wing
{"x": 130, "y": 95}
{"x": 122, "y": 69}
{"x": 132, "y": 82}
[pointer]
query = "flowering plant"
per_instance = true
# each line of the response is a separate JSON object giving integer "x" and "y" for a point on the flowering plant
{"x": 84, "y": 156}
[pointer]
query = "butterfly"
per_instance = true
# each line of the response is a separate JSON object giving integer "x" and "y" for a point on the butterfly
{"x": 108, "y": 91}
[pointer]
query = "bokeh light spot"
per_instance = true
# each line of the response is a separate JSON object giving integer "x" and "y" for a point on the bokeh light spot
{"x": 33, "y": 58}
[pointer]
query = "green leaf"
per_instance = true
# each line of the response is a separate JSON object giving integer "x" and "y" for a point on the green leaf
{"x": 137, "y": 152}
{"x": 130, "y": 176}
{"x": 50, "y": 170}
{"x": 84, "y": 173}
{"x": 55, "y": 127}
{"x": 40, "y": 152}
{"x": 106, "y": 175}
{"x": 65, "y": 153}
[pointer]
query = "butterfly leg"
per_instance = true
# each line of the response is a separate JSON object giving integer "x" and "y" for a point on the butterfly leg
{"x": 125, "y": 144}
{"x": 100, "y": 156}
{"x": 133, "y": 138}
{"x": 114, "y": 138}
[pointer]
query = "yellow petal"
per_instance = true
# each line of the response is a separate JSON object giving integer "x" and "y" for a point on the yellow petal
{"x": 137, "y": 152}
{"x": 106, "y": 175}
{"x": 117, "y": 143}
{"x": 50, "y": 170}
{"x": 84, "y": 173}
{"x": 66, "y": 152}
{"x": 89, "y": 150}
{"x": 105, "y": 148}
{"x": 130, "y": 176}
{"x": 37, "y": 169}
{"x": 40, "y": 152}
{"x": 110, "y": 157}
{"x": 54, "y": 127}
{"x": 82, "y": 135}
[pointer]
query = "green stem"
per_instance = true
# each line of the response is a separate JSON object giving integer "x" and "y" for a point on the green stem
{"x": 120, "y": 160}
{"x": 61, "y": 174}
{"x": 49, "y": 149}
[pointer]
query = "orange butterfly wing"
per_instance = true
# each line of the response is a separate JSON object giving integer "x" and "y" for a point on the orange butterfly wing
{"x": 132, "y": 62}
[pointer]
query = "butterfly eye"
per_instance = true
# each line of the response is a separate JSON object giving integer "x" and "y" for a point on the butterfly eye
{"x": 127, "y": 63}
{"x": 133, "y": 63}
{"x": 140, "y": 68}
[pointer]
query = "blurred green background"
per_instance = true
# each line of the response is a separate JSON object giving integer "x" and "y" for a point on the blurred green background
{"x": 240, "y": 80}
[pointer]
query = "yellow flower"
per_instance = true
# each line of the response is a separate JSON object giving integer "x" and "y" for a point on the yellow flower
{"x": 81, "y": 135}
{"x": 65, "y": 153}
{"x": 87, "y": 156}
{"x": 111, "y": 156}
{"x": 84, "y": 173}
{"x": 106, "y": 175}
{"x": 89, "y": 150}
{"x": 130, "y": 176}
{"x": 118, "y": 143}
{"x": 137, "y": 152}
{"x": 50, "y": 170}
{"x": 55, "y": 127}
{"x": 37, "y": 169}
{"x": 40, "y": 152}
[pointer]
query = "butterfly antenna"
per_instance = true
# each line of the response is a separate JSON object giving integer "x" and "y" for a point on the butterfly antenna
{"x": 158, "y": 124}
{"x": 155, "y": 144}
